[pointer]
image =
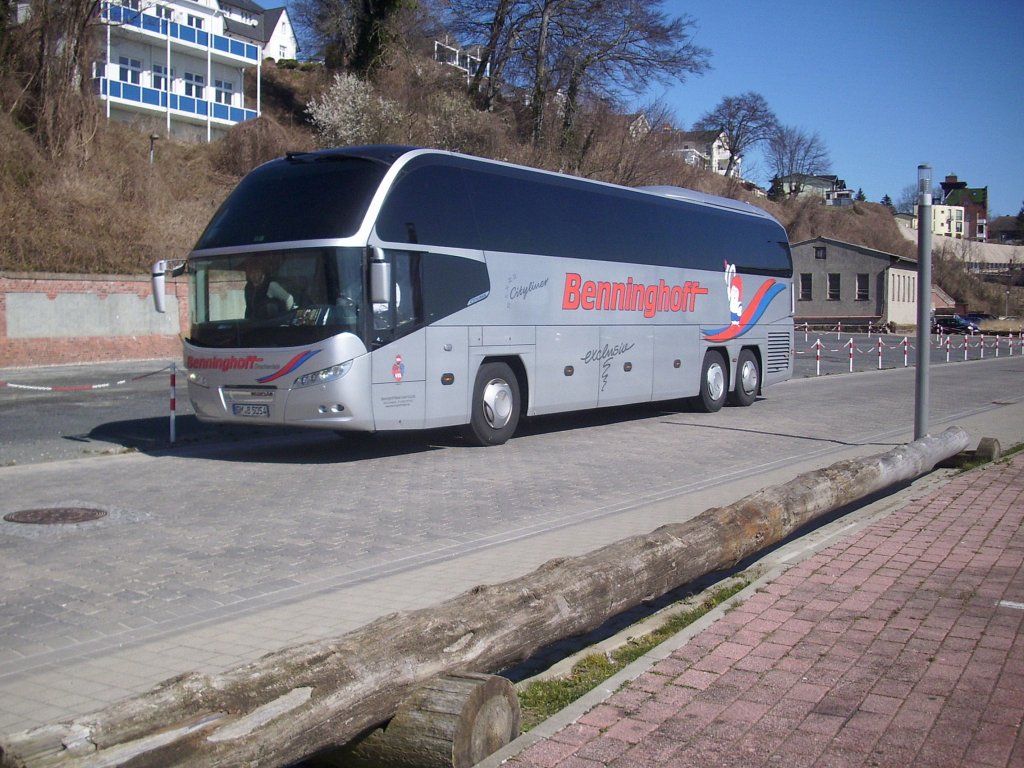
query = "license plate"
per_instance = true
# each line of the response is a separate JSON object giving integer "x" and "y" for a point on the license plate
{"x": 240, "y": 409}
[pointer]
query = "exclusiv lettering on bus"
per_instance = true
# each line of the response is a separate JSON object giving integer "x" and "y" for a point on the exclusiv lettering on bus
{"x": 630, "y": 296}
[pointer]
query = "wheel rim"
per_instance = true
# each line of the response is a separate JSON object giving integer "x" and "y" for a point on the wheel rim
{"x": 748, "y": 377}
{"x": 716, "y": 382}
{"x": 497, "y": 403}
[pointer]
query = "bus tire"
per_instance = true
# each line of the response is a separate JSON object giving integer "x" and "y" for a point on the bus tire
{"x": 714, "y": 382}
{"x": 748, "y": 379}
{"x": 494, "y": 413}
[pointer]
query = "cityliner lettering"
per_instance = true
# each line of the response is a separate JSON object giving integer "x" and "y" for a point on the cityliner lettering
{"x": 223, "y": 364}
{"x": 630, "y": 296}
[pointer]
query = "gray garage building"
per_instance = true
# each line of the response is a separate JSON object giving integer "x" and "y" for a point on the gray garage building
{"x": 842, "y": 282}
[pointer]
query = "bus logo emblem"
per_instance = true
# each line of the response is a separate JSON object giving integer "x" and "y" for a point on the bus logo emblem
{"x": 398, "y": 369}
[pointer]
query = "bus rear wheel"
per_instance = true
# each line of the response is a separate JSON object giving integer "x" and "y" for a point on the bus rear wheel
{"x": 495, "y": 406}
{"x": 748, "y": 379}
{"x": 714, "y": 382}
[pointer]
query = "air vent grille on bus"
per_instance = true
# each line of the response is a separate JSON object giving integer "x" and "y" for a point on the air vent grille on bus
{"x": 779, "y": 346}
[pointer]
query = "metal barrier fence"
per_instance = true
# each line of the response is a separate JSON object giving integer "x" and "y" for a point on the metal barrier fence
{"x": 171, "y": 367}
{"x": 980, "y": 342}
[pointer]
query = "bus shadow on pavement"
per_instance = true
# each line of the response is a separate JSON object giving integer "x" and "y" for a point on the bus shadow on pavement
{"x": 275, "y": 445}
{"x": 289, "y": 445}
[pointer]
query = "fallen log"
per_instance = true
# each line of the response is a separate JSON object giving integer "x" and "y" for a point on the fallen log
{"x": 300, "y": 700}
{"x": 454, "y": 721}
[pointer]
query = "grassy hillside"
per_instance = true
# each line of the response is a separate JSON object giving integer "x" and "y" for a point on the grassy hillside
{"x": 111, "y": 211}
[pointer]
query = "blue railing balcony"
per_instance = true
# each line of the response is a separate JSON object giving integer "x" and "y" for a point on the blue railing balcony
{"x": 162, "y": 100}
{"x": 116, "y": 14}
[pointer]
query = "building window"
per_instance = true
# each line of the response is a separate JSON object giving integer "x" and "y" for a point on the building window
{"x": 223, "y": 91}
{"x": 195, "y": 21}
{"x": 282, "y": 52}
{"x": 833, "y": 286}
{"x": 133, "y": 4}
{"x": 194, "y": 85}
{"x": 819, "y": 251}
{"x": 160, "y": 77}
{"x": 130, "y": 70}
{"x": 805, "y": 286}
{"x": 163, "y": 12}
{"x": 862, "y": 287}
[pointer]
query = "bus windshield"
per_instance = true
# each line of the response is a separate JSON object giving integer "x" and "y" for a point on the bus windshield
{"x": 301, "y": 197}
{"x": 276, "y": 298}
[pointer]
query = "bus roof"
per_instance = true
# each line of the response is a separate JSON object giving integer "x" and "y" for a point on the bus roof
{"x": 693, "y": 196}
{"x": 389, "y": 154}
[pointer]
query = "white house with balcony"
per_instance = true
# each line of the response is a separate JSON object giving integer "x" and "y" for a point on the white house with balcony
{"x": 180, "y": 67}
{"x": 705, "y": 149}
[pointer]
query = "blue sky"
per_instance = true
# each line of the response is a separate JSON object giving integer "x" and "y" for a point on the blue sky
{"x": 886, "y": 85}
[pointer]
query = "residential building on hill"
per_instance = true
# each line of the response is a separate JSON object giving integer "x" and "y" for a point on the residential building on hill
{"x": 974, "y": 201}
{"x": 705, "y": 149}
{"x": 831, "y": 189}
{"x": 269, "y": 28}
{"x": 841, "y": 282}
{"x": 947, "y": 220}
{"x": 182, "y": 68}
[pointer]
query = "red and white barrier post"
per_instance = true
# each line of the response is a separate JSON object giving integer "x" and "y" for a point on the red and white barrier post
{"x": 173, "y": 397}
{"x": 817, "y": 357}
{"x": 906, "y": 351}
{"x": 879, "y": 353}
{"x": 850, "y": 345}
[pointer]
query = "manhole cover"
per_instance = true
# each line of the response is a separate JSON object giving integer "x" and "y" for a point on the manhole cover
{"x": 55, "y": 515}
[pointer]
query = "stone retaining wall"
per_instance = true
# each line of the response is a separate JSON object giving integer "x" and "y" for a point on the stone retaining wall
{"x": 58, "y": 319}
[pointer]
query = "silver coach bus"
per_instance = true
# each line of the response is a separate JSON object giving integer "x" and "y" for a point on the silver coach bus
{"x": 389, "y": 288}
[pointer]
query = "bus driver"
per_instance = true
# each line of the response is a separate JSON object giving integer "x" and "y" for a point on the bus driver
{"x": 264, "y": 297}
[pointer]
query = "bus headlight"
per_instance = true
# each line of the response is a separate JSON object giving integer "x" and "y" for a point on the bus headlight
{"x": 198, "y": 379}
{"x": 323, "y": 376}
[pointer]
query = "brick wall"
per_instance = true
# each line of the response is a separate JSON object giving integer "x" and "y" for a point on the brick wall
{"x": 56, "y": 319}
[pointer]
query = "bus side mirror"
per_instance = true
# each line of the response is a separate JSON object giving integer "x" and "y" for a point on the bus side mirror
{"x": 380, "y": 278}
{"x": 158, "y": 279}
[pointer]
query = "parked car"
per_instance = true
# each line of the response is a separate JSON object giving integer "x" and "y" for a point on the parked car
{"x": 952, "y": 324}
{"x": 977, "y": 318}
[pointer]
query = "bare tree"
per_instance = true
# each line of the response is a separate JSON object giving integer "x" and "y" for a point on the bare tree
{"x": 744, "y": 121}
{"x": 497, "y": 26}
{"x": 611, "y": 47}
{"x": 349, "y": 34}
{"x": 793, "y": 153}
{"x": 579, "y": 49}
{"x": 46, "y": 63}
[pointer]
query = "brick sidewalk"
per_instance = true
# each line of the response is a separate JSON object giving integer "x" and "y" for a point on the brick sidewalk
{"x": 898, "y": 646}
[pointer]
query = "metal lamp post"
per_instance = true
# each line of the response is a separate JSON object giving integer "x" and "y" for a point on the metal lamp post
{"x": 924, "y": 298}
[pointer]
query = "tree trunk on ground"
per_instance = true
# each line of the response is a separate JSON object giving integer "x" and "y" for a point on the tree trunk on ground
{"x": 294, "y": 702}
{"x": 454, "y": 721}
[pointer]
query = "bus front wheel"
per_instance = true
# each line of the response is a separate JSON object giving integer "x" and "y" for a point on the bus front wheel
{"x": 495, "y": 407}
{"x": 714, "y": 382}
{"x": 748, "y": 379}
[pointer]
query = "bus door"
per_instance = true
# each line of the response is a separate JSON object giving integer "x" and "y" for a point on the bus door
{"x": 399, "y": 355}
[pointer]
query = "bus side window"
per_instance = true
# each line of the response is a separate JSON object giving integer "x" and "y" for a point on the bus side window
{"x": 451, "y": 283}
{"x": 403, "y": 314}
